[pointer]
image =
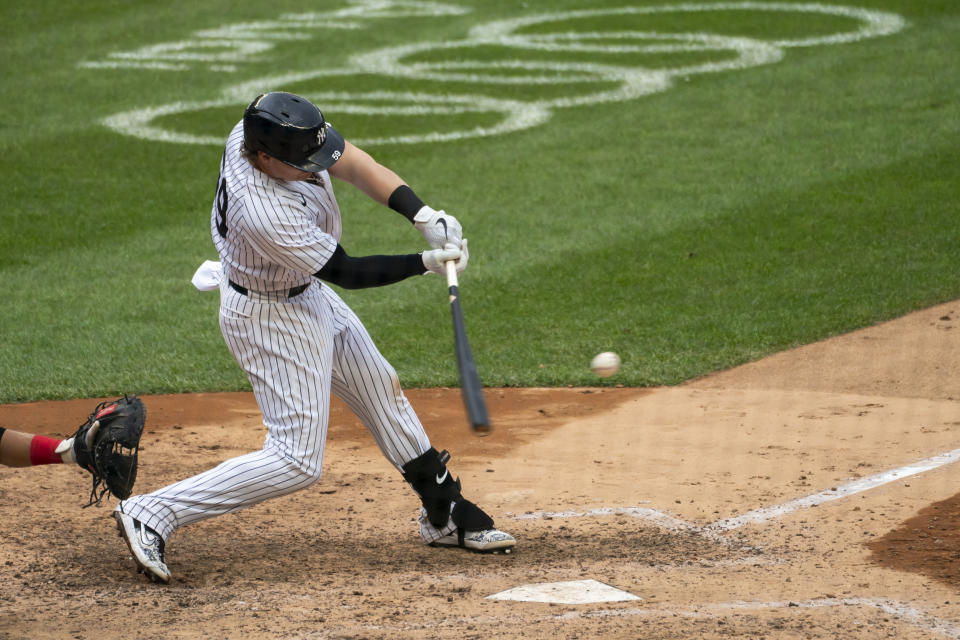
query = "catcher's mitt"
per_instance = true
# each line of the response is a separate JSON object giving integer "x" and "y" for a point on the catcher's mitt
{"x": 107, "y": 444}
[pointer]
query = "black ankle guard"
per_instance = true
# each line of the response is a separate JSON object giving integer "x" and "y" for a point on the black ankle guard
{"x": 469, "y": 517}
{"x": 429, "y": 477}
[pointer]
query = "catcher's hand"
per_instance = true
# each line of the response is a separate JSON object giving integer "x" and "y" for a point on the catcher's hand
{"x": 107, "y": 444}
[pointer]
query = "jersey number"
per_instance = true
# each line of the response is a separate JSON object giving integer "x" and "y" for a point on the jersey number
{"x": 222, "y": 208}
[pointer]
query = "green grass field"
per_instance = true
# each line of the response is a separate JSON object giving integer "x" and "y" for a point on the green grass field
{"x": 692, "y": 189}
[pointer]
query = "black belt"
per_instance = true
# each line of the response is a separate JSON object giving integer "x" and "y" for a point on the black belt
{"x": 291, "y": 293}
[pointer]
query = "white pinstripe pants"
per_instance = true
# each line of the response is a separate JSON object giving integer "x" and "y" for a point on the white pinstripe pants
{"x": 295, "y": 352}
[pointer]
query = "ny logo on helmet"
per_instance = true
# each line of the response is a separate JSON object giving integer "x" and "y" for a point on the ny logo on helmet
{"x": 321, "y": 136}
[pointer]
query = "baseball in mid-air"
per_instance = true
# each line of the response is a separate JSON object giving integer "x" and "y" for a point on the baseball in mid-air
{"x": 605, "y": 364}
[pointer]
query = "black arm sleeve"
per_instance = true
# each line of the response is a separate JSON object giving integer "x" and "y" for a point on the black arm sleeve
{"x": 369, "y": 271}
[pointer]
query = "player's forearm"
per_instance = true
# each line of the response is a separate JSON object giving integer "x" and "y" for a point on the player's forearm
{"x": 19, "y": 449}
{"x": 369, "y": 271}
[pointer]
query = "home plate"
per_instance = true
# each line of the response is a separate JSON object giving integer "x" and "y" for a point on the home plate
{"x": 576, "y": 592}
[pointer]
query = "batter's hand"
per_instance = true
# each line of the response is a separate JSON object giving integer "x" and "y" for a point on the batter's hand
{"x": 435, "y": 261}
{"x": 438, "y": 228}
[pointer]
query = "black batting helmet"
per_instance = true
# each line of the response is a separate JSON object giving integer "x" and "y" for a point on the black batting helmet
{"x": 292, "y": 130}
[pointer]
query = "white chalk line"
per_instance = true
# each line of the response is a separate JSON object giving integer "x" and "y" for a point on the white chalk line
{"x": 263, "y": 34}
{"x": 131, "y": 64}
{"x": 757, "y": 516}
{"x": 903, "y": 612}
{"x": 239, "y": 43}
{"x": 659, "y": 518}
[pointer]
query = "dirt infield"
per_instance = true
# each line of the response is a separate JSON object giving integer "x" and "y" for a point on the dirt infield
{"x": 809, "y": 495}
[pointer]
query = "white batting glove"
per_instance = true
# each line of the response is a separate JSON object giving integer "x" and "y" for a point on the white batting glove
{"x": 435, "y": 260}
{"x": 438, "y": 228}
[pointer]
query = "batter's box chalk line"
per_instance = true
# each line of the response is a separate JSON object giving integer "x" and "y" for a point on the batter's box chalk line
{"x": 764, "y": 514}
{"x": 854, "y": 486}
{"x": 659, "y": 518}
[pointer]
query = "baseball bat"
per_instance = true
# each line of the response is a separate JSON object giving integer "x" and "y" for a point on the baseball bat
{"x": 469, "y": 378}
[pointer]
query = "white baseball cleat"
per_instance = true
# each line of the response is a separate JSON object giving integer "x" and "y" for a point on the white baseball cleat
{"x": 483, "y": 541}
{"x": 146, "y": 545}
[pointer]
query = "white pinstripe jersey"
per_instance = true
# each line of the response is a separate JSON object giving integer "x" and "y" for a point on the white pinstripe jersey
{"x": 271, "y": 234}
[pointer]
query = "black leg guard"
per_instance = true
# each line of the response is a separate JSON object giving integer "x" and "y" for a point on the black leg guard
{"x": 468, "y": 516}
{"x": 429, "y": 477}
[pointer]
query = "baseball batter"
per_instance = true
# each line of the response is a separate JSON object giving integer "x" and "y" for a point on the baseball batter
{"x": 277, "y": 227}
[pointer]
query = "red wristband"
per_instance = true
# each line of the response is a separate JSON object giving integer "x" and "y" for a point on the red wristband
{"x": 42, "y": 450}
